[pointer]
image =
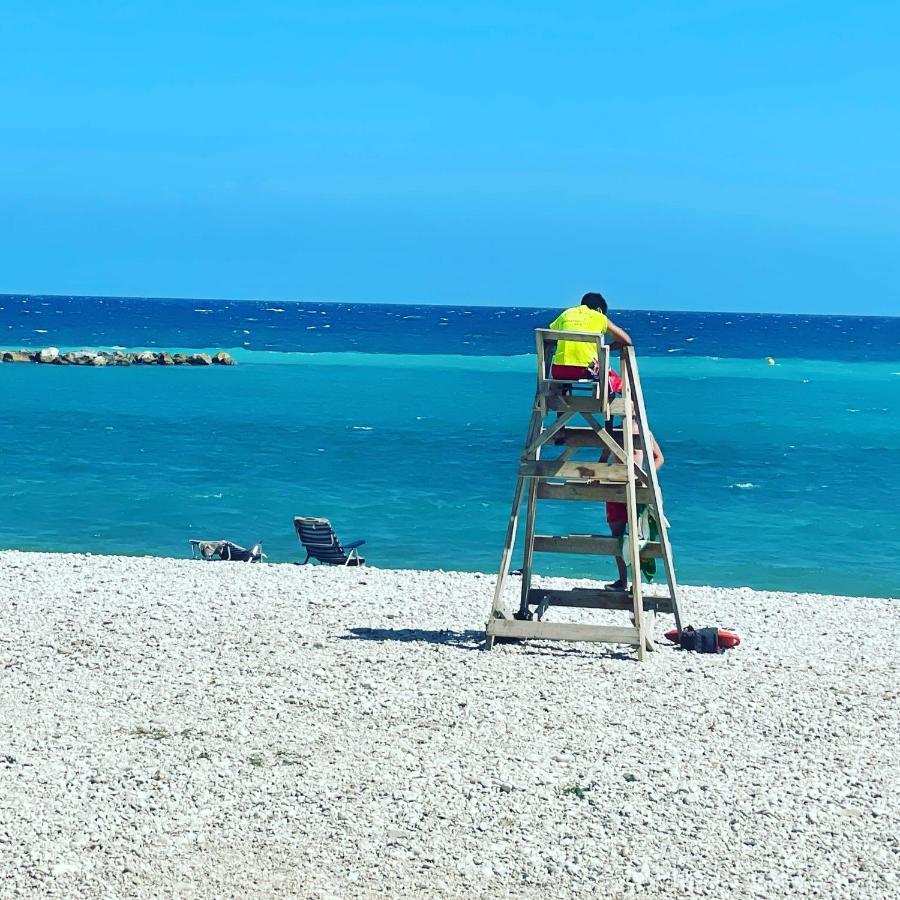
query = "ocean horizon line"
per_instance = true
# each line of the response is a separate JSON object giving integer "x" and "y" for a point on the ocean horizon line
{"x": 6, "y": 295}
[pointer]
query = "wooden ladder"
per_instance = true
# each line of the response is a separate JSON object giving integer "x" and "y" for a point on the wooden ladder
{"x": 584, "y": 421}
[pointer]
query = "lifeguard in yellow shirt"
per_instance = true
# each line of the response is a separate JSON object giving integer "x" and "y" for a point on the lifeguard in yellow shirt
{"x": 575, "y": 359}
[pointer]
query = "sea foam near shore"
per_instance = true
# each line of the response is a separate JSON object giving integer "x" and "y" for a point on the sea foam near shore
{"x": 178, "y": 728}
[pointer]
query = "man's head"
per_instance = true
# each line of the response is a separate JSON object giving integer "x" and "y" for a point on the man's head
{"x": 595, "y": 300}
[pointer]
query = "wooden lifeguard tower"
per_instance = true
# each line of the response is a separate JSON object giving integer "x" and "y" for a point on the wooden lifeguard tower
{"x": 585, "y": 423}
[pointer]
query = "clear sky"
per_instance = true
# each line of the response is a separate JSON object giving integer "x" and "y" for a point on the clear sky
{"x": 683, "y": 155}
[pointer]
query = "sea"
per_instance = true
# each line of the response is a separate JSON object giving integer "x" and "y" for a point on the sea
{"x": 403, "y": 426}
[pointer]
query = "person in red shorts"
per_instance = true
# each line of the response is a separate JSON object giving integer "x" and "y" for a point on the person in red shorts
{"x": 617, "y": 513}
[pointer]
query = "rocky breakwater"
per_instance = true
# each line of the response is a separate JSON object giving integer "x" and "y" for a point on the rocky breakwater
{"x": 51, "y": 356}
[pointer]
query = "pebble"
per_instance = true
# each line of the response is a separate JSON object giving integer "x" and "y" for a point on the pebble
{"x": 640, "y": 876}
{"x": 178, "y": 728}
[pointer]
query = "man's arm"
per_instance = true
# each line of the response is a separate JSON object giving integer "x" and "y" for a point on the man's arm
{"x": 620, "y": 337}
{"x": 658, "y": 458}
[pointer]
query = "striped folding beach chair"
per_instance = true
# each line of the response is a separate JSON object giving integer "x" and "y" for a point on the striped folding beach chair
{"x": 322, "y": 544}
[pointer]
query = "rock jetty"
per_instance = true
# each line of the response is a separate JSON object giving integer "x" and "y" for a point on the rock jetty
{"x": 52, "y": 356}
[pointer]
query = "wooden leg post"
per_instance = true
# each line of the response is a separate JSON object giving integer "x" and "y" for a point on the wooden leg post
{"x": 498, "y": 609}
{"x": 634, "y": 552}
{"x": 528, "y": 555}
{"x": 655, "y": 490}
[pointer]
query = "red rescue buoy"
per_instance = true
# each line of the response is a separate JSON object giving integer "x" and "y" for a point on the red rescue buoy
{"x": 727, "y": 639}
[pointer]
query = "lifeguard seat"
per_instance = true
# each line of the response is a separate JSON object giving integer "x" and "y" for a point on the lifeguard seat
{"x": 546, "y": 340}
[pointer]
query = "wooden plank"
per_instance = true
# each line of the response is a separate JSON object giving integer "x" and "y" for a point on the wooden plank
{"x": 498, "y": 607}
{"x": 593, "y": 598}
{"x": 573, "y": 490}
{"x": 560, "y": 387}
{"x": 533, "y": 449}
{"x": 555, "y": 468}
{"x": 546, "y": 434}
{"x": 541, "y": 356}
{"x": 535, "y": 424}
{"x": 580, "y": 436}
{"x": 592, "y": 435}
{"x": 604, "y": 390}
{"x": 630, "y": 362}
{"x": 588, "y": 544}
{"x": 633, "y": 549}
{"x": 618, "y": 437}
{"x": 552, "y": 335}
{"x": 562, "y": 631}
{"x": 616, "y": 449}
{"x": 576, "y": 403}
{"x": 586, "y": 404}
{"x": 528, "y": 551}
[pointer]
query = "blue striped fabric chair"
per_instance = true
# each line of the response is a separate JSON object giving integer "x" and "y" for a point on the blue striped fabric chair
{"x": 322, "y": 544}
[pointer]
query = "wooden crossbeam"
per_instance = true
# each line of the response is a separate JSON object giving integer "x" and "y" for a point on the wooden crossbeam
{"x": 547, "y": 434}
{"x": 562, "y": 631}
{"x": 596, "y": 545}
{"x": 585, "y": 404}
{"x": 557, "y": 403}
{"x": 555, "y": 468}
{"x": 573, "y": 490}
{"x": 551, "y": 336}
{"x": 616, "y": 434}
{"x": 580, "y": 436}
{"x": 617, "y": 450}
{"x": 591, "y": 598}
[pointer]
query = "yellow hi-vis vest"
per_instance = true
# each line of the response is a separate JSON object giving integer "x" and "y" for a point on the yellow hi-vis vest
{"x": 578, "y": 318}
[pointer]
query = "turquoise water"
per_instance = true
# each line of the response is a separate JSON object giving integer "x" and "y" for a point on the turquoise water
{"x": 784, "y": 477}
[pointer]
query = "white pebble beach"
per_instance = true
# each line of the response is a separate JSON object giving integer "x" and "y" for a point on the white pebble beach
{"x": 178, "y": 728}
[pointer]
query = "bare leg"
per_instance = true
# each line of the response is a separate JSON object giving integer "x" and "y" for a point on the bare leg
{"x": 618, "y": 530}
{"x": 623, "y": 571}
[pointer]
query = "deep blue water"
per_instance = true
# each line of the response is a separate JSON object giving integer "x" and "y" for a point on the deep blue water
{"x": 403, "y": 425}
{"x": 378, "y": 328}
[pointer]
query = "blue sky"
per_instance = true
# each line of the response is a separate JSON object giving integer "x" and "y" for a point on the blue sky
{"x": 692, "y": 155}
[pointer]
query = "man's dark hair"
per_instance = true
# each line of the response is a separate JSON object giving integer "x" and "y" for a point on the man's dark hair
{"x": 595, "y": 300}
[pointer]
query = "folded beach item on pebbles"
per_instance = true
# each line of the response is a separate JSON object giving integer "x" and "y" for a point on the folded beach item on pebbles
{"x": 704, "y": 640}
{"x": 228, "y": 550}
